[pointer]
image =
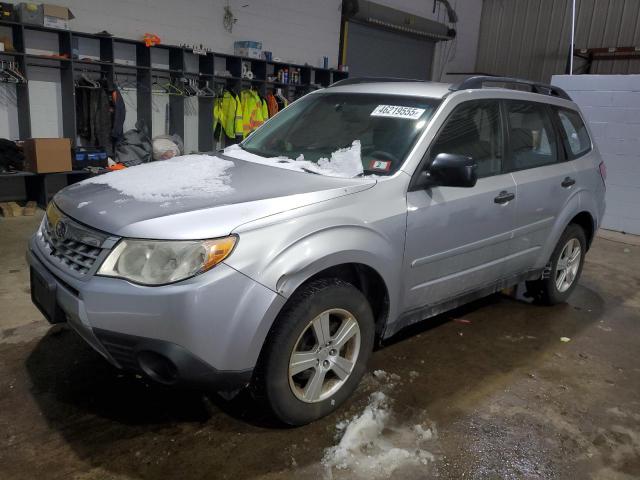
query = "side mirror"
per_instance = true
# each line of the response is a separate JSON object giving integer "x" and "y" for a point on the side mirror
{"x": 450, "y": 170}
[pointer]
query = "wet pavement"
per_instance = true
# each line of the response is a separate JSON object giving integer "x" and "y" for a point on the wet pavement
{"x": 503, "y": 395}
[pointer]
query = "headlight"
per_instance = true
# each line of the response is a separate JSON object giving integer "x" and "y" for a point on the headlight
{"x": 158, "y": 262}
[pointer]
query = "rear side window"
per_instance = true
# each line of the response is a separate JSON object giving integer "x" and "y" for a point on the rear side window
{"x": 473, "y": 129}
{"x": 574, "y": 132}
{"x": 531, "y": 135}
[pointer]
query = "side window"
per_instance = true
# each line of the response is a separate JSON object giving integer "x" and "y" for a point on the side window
{"x": 531, "y": 135}
{"x": 473, "y": 129}
{"x": 574, "y": 132}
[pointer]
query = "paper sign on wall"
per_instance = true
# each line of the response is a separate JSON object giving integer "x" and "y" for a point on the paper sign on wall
{"x": 397, "y": 111}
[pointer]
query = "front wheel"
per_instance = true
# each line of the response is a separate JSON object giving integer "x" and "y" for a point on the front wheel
{"x": 565, "y": 268}
{"x": 316, "y": 353}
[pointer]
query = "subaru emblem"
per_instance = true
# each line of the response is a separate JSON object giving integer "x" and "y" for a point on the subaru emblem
{"x": 61, "y": 229}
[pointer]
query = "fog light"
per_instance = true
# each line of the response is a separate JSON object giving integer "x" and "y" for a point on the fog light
{"x": 158, "y": 367}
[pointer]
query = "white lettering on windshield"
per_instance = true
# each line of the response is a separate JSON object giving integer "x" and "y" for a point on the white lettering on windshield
{"x": 397, "y": 111}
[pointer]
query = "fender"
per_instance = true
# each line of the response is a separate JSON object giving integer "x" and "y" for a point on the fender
{"x": 580, "y": 201}
{"x": 297, "y": 263}
{"x": 288, "y": 266}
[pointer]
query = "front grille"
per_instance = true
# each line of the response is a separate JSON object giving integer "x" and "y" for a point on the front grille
{"x": 73, "y": 254}
{"x": 70, "y": 245}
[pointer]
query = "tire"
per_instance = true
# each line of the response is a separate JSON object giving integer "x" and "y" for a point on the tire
{"x": 547, "y": 290}
{"x": 292, "y": 398}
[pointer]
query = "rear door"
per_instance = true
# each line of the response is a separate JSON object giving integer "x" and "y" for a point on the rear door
{"x": 545, "y": 179}
{"x": 457, "y": 237}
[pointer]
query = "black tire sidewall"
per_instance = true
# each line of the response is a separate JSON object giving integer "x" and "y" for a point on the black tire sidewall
{"x": 308, "y": 304}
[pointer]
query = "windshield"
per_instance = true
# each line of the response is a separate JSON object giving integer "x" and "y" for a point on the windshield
{"x": 342, "y": 134}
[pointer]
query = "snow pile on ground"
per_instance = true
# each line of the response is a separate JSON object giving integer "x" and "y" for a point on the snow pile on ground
{"x": 373, "y": 447}
{"x": 200, "y": 176}
{"x": 388, "y": 380}
{"x": 346, "y": 162}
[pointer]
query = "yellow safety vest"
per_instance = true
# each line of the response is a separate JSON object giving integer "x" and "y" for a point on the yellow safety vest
{"x": 227, "y": 111}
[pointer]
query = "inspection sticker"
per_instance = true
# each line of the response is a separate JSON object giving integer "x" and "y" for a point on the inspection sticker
{"x": 381, "y": 165}
{"x": 397, "y": 111}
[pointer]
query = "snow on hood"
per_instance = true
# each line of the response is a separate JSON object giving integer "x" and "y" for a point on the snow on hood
{"x": 202, "y": 176}
{"x": 346, "y": 162}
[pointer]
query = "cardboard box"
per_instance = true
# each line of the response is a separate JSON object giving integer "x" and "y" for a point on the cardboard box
{"x": 248, "y": 48}
{"x": 47, "y": 155}
{"x": 29, "y": 13}
{"x": 55, "y": 16}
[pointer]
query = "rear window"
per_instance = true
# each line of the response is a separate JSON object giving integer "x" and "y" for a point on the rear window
{"x": 574, "y": 132}
{"x": 531, "y": 135}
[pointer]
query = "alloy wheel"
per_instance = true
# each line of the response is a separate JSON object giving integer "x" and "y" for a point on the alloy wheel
{"x": 324, "y": 355}
{"x": 568, "y": 265}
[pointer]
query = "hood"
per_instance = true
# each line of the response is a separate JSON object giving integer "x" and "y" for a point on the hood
{"x": 195, "y": 196}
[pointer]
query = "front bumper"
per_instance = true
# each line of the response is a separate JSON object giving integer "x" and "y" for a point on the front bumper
{"x": 207, "y": 330}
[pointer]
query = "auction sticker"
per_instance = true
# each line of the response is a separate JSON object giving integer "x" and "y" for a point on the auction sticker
{"x": 397, "y": 111}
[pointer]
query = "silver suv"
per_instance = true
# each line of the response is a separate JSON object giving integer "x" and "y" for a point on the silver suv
{"x": 358, "y": 210}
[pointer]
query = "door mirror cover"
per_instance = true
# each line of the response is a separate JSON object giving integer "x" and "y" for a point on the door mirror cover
{"x": 451, "y": 170}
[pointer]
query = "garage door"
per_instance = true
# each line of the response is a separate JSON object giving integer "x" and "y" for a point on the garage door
{"x": 374, "y": 52}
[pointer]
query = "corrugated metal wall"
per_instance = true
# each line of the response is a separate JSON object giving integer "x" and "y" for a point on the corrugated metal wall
{"x": 530, "y": 38}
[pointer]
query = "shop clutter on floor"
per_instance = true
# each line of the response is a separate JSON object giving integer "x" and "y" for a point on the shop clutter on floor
{"x": 127, "y": 101}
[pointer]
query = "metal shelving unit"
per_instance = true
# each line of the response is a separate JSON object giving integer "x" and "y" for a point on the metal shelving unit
{"x": 109, "y": 66}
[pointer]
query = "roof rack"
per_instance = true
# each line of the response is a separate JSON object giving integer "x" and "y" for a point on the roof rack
{"x": 358, "y": 80}
{"x": 541, "y": 88}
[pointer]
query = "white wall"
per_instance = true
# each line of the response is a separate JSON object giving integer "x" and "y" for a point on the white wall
{"x": 295, "y": 30}
{"x": 458, "y": 55}
{"x": 611, "y": 106}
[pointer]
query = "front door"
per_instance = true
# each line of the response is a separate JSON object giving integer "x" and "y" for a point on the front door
{"x": 458, "y": 239}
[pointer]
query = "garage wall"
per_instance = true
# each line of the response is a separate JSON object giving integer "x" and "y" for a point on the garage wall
{"x": 458, "y": 55}
{"x": 300, "y": 31}
{"x": 295, "y": 30}
{"x": 530, "y": 38}
{"x": 611, "y": 106}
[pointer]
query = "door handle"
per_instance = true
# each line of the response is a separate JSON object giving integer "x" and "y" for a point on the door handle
{"x": 504, "y": 197}
{"x": 567, "y": 182}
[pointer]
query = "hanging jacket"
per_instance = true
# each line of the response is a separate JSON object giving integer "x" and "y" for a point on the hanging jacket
{"x": 281, "y": 102}
{"x": 227, "y": 113}
{"x": 265, "y": 110}
{"x": 94, "y": 121}
{"x": 101, "y": 126}
{"x": 251, "y": 111}
{"x": 272, "y": 105}
{"x": 119, "y": 114}
{"x": 83, "y": 112}
{"x": 237, "y": 124}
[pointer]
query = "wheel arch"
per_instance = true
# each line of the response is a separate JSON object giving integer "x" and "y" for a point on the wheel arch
{"x": 585, "y": 220}
{"x": 366, "y": 279}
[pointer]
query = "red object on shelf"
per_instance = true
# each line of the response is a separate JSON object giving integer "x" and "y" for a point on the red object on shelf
{"x": 151, "y": 39}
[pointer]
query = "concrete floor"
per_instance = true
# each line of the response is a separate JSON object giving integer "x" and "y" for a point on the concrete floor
{"x": 503, "y": 395}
